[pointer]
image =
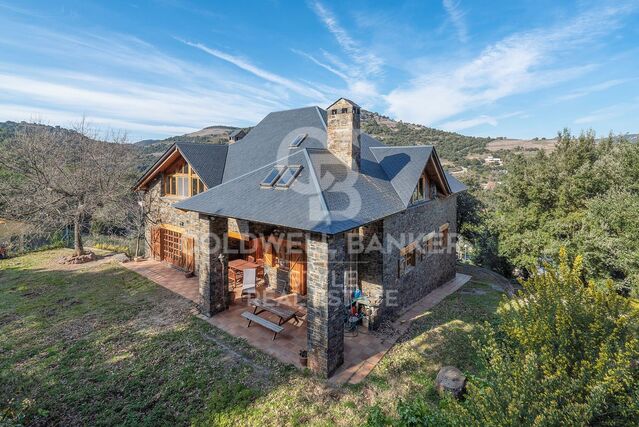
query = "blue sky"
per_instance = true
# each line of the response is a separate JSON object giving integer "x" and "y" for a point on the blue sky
{"x": 167, "y": 67}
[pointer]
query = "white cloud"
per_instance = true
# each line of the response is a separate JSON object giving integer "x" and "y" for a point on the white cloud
{"x": 367, "y": 61}
{"x": 328, "y": 67}
{"x": 606, "y": 113}
{"x": 456, "y": 16}
{"x": 264, "y": 74}
{"x": 520, "y": 63}
{"x": 599, "y": 87}
{"x": 457, "y": 125}
{"x": 461, "y": 124}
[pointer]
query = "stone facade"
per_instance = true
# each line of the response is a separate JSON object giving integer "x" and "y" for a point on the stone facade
{"x": 371, "y": 267}
{"x": 326, "y": 257}
{"x": 434, "y": 269}
{"x": 327, "y": 261}
{"x": 160, "y": 210}
{"x": 343, "y": 132}
{"x": 212, "y": 277}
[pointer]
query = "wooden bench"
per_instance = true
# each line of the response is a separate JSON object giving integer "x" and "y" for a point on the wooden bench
{"x": 285, "y": 313}
{"x": 262, "y": 322}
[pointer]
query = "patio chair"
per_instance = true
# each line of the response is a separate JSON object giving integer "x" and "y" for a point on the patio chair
{"x": 249, "y": 283}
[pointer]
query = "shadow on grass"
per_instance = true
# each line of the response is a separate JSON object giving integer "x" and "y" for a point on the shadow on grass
{"x": 442, "y": 336}
{"x": 106, "y": 346}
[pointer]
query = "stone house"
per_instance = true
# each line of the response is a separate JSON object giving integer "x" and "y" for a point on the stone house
{"x": 326, "y": 209}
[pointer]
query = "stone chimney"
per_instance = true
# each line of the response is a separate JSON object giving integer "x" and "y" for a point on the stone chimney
{"x": 343, "y": 133}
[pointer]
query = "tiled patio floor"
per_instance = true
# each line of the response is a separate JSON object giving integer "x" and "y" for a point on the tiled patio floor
{"x": 362, "y": 352}
{"x": 168, "y": 277}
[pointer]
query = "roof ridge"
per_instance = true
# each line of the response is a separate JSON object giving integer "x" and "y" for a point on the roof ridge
{"x": 313, "y": 177}
{"x": 319, "y": 113}
{"x": 292, "y": 109}
{"x": 379, "y": 162}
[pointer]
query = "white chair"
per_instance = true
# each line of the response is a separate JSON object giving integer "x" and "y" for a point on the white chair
{"x": 248, "y": 283}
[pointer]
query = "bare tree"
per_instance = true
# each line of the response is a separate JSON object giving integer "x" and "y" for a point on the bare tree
{"x": 59, "y": 177}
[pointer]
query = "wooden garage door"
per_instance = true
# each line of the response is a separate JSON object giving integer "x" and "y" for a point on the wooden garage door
{"x": 173, "y": 247}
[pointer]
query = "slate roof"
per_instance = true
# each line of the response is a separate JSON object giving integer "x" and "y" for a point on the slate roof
{"x": 207, "y": 160}
{"x": 327, "y": 196}
{"x": 235, "y": 133}
{"x": 456, "y": 186}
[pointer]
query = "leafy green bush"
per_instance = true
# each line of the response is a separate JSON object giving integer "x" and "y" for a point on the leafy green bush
{"x": 583, "y": 196}
{"x": 563, "y": 352}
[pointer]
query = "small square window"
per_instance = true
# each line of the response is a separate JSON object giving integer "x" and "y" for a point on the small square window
{"x": 344, "y": 110}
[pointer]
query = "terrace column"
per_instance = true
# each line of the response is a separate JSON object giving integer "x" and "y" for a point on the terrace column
{"x": 326, "y": 257}
{"x": 370, "y": 267}
{"x": 212, "y": 272}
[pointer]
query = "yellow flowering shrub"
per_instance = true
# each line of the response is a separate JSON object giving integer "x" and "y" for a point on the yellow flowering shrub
{"x": 562, "y": 352}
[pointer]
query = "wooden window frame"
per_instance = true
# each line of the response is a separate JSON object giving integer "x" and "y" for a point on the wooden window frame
{"x": 444, "y": 236}
{"x": 407, "y": 259}
{"x": 422, "y": 189}
{"x": 429, "y": 243}
{"x": 185, "y": 174}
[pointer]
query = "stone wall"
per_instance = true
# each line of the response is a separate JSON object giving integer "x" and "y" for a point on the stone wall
{"x": 371, "y": 266}
{"x": 213, "y": 278}
{"x": 343, "y": 133}
{"x": 160, "y": 210}
{"x": 434, "y": 270}
{"x": 325, "y": 302}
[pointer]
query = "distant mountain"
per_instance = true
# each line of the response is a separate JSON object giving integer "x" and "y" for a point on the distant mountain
{"x": 209, "y": 135}
{"x": 451, "y": 146}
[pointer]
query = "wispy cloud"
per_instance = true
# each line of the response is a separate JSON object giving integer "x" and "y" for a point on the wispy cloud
{"x": 610, "y": 112}
{"x": 456, "y": 16}
{"x": 599, "y": 87}
{"x": 259, "y": 72}
{"x": 484, "y": 119}
{"x": 368, "y": 61}
{"x": 316, "y": 61}
{"x": 520, "y": 63}
{"x": 121, "y": 81}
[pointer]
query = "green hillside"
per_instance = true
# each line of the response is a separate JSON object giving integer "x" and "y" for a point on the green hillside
{"x": 450, "y": 145}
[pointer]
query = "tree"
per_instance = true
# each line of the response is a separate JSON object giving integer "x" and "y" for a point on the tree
{"x": 59, "y": 178}
{"x": 562, "y": 352}
{"x": 582, "y": 197}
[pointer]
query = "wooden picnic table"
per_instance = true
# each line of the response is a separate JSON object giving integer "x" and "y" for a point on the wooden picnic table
{"x": 284, "y": 312}
{"x": 237, "y": 266}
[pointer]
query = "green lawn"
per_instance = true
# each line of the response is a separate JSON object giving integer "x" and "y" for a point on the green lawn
{"x": 103, "y": 345}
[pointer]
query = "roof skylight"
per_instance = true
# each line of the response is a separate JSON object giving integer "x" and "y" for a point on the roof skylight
{"x": 288, "y": 176}
{"x": 298, "y": 140}
{"x": 273, "y": 176}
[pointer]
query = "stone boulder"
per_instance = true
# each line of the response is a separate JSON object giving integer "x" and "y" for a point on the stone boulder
{"x": 120, "y": 258}
{"x": 450, "y": 380}
{"x": 80, "y": 259}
